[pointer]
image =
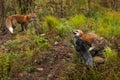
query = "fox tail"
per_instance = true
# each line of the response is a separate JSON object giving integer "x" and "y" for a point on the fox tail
{"x": 9, "y": 25}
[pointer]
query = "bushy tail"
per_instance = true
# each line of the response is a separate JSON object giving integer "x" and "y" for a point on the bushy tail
{"x": 9, "y": 25}
{"x": 88, "y": 58}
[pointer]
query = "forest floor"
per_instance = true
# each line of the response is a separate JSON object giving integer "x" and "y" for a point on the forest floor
{"x": 52, "y": 63}
{"x": 49, "y": 66}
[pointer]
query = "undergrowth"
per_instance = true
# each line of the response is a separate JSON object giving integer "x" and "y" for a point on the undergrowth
{"x": 16, "y": 54}
{"x": 107, "y": 71}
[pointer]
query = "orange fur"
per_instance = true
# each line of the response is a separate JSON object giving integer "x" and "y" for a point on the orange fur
{"x": 89, "y": 37}
{"x": 14, "y": 19}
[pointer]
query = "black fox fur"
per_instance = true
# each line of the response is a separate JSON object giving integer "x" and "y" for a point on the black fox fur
{"x": 80, "y": 46}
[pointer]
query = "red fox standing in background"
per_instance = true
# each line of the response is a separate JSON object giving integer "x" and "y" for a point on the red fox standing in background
{"x": 12, "y": 20}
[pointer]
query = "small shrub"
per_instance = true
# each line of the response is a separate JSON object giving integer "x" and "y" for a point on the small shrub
{"x": 78, "y": 20}
{"x": 30, "y": 68}
{"x": 30, "y": 31}
{"x": 64, "y": 30}
{"x": 113, "y": 18}
{"x": 40, "y": 43}
{"x": 111, "y": 56}
{"x": 107, "y": 26}
{"x": 6, "y": 63}
{"x": 11, "y": 45}
{"x": 50, "y": 23}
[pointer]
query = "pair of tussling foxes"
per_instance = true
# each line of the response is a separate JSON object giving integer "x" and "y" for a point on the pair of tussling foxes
{"x": 82, "y": 39}
{"x": 24, "y": 20}
{"x": 91, "y": 39}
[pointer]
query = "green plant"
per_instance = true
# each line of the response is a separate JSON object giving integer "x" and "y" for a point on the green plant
{"x": 64, "y": 30}
{"x": 40, "y": 43}
{"x": 111, "y": 55}
{"x": 30, "y": 69}
{"x": 11, "y": 44}
{"x": 78, "y": 20}
{"x": 50, "y": 23}
{"x": 6, "y": 63}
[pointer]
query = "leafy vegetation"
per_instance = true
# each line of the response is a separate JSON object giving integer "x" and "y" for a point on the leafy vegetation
{"x": 26, "y": 52}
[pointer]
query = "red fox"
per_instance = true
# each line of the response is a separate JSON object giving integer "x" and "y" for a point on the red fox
{"x": 89, "y": 37}
{"x": 92, "y": 39}
{"x": 12, "y": 20}
{"x": 96, "y": 43}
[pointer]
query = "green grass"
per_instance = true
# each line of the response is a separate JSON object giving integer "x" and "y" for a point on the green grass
{"x": 78, "y": 21}
{"x": 23, "y": 48}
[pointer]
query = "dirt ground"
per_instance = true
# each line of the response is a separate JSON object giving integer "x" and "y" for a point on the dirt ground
{"x": 47, "y": 67}
{"x": 50, "y": 66}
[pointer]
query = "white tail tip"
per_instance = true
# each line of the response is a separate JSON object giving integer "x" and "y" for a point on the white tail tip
{"x": 10, "y": 29}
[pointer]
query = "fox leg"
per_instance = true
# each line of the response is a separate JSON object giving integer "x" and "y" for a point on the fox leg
{"x": 23, "y": 27}
{"x": 75, "y": 46}
{"x": 14, "y": 23}
{"x": 26, "y": 26}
